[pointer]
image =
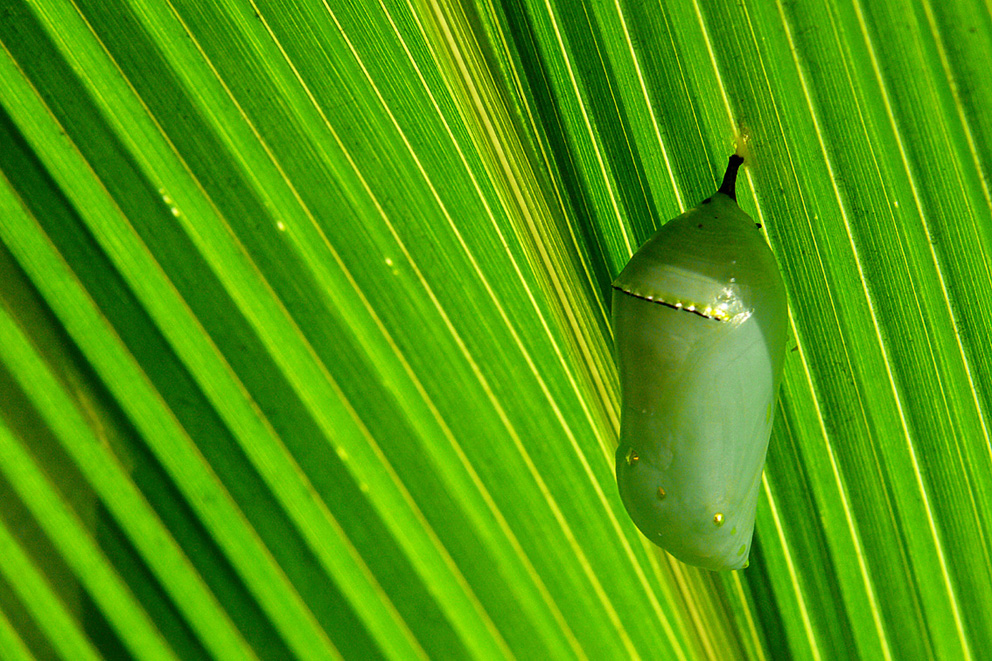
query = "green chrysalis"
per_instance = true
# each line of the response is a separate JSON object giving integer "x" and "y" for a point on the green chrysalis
{"x": 699, "y": 320}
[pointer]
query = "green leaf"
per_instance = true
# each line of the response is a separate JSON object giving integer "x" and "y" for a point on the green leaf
{"x": 304, "y": 325}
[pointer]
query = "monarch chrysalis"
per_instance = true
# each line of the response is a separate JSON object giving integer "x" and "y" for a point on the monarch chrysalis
{"x": 699, "y": 321}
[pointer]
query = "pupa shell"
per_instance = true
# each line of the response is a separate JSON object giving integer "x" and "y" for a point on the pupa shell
{"x": 700, "y": 323}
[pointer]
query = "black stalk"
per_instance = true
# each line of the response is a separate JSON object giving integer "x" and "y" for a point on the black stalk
{"x": 729, "y": 185}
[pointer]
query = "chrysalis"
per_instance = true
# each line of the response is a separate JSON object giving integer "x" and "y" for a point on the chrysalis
{"x": 699, "y": 320}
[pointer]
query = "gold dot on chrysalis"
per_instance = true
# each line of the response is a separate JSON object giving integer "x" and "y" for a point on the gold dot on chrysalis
{"x": 718, "y": 519}
{"x": 631, "y": 457}
{"x": 661, "y": 493}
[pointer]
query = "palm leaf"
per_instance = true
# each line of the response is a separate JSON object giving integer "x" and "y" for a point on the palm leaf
{"x": 305, "y": 343}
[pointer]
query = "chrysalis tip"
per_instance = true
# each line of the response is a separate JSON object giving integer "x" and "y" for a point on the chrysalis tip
{"x": 729, "y": 185}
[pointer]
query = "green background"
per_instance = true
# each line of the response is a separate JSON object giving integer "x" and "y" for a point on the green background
{"x": 304, "y": 340}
